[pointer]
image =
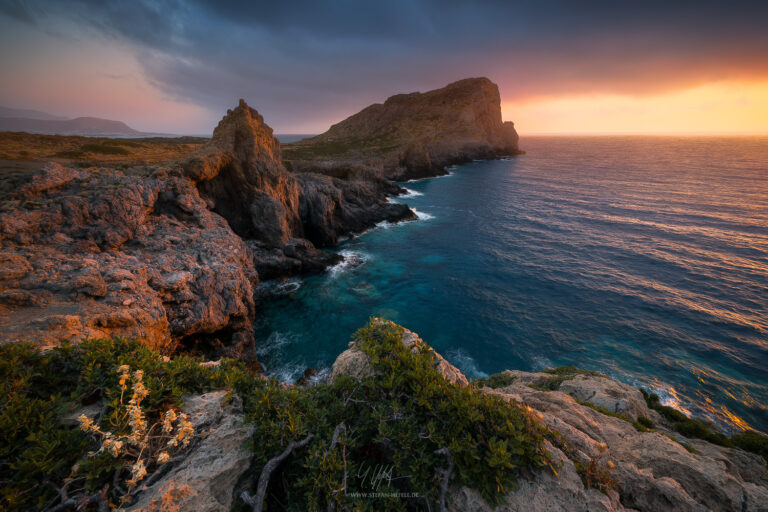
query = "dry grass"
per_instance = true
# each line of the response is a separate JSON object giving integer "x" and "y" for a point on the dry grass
{"x": 74, "y": 150}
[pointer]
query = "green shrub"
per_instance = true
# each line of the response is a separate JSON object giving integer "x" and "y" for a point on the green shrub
{"x": 399, "y": 420}
{"x": 495, "y": 381}
{"x": 646, "y": 422}
{"x": 571, "y": 371}
{"x": 559, "y": 375}
{"x": 37, "y": 388}
{"x": 748, "y": 441}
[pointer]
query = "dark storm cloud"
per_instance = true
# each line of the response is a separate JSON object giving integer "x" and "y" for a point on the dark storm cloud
{"x": 304, "y": 60}
{"x": 18, "y": 10}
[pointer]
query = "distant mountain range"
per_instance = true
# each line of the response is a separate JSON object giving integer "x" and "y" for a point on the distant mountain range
{"x": 34, "y": 121}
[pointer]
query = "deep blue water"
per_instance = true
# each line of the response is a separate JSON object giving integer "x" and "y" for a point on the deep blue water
{"x": 642, "y": 257}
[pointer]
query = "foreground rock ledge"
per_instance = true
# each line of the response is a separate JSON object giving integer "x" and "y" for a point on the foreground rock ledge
{"x": 652, "y": 471}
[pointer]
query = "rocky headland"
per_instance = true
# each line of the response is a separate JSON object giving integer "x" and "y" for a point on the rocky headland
{"x": 170, "y": 254}
{"x": 413, "y": 135}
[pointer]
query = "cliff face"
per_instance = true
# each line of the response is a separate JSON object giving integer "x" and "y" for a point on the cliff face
{"x": 241, "y": 172}
{"x": 283, "y": 216}
{"x": 417, "y": 134}
{"x": 170, "y": 255}
{"x": 92, "y": 253}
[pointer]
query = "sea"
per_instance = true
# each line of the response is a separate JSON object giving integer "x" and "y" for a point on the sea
{"x": 645, "y": 258}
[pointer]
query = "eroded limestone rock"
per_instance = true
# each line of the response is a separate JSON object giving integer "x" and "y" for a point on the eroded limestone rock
{"x": 204, "y": 480}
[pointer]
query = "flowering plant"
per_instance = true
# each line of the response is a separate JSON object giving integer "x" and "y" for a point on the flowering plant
{"x": 143, "y": 447}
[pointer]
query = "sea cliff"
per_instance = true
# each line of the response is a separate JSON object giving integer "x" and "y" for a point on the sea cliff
{"x": 413, "y": 135}
{"x": 171, "y": 253}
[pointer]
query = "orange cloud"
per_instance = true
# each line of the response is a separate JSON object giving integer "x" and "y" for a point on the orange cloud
{"x": 714, "y": 108}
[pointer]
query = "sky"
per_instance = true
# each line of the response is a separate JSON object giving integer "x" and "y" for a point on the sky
{"x": 583, "y": 67}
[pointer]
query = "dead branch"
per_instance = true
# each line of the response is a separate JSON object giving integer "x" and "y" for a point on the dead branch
{"x": 445, "y": 476}
{"x": 257, "y": 502}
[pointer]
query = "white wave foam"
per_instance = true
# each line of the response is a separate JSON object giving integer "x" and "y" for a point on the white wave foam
{"x": 410, "y": 193}
{"x": 320, "y": 376}
{"x": 422, "y": 215}
{"x": 285, "y": 287}
{"x": 540, "y": 363}
{"x": 273, "y": 342}
{"x": 352, "y": 259}
{"x": 464, "y": 362}
{"x": 450, "y": 173}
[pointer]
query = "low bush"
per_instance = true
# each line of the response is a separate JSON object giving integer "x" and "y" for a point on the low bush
{"x": 495, "y": 381}
{"x": 405, "y": 422}
{"x": 748, "y": 440}
{"x": 561, "y": 374}
{"x": 403, "y": 433}
{"x": 39, "y": 453}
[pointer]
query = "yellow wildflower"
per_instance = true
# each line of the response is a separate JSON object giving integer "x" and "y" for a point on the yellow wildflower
{"x": 113, "y": 447}
{"x": 86, "y": 424}
{"x": 163, "y": 458}
{"x": 138, "y": 471}
{"x": 168, "y": 419}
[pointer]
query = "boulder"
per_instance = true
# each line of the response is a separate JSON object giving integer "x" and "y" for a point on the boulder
{"x": 205, "y": 477}
{"x": 607, "y": 393}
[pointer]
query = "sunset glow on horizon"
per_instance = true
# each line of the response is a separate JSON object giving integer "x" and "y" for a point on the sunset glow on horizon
{"x": 720, "y": 108}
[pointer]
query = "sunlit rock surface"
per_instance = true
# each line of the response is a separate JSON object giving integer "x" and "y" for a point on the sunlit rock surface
{"x": 413, "y": 135}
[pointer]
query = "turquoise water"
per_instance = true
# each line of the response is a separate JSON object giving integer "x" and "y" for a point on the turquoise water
{"x": 644, "y": 257}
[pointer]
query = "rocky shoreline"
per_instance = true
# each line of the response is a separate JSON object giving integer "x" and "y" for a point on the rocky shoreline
{"x": 171, "y": 254}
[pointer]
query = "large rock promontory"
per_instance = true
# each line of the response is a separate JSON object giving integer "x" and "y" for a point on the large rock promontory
{"x": 414, "y": 135}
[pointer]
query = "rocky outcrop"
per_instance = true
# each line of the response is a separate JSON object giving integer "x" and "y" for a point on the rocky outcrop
{"x": 355, "y": 363}
{"x": 204, "y": 479}
{"x": 414, "y": 135}
{"x": 240, "y": 173}
{"x": 650, "y": 471}
{"x": 136, "y": 253}
{"x": 656, "y": 470}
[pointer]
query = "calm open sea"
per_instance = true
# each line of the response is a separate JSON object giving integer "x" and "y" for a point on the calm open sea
{"x": 642, "y": 257}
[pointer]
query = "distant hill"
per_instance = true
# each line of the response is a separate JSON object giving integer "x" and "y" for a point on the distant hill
{"x": 28, "y": 114}
{"x": 79, "y": 126}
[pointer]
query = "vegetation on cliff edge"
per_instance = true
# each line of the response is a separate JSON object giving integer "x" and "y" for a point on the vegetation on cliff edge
{"x": 402, "y": 433}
